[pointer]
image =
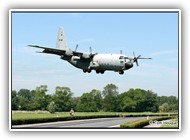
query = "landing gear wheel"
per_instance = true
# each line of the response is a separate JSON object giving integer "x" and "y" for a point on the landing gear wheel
{"x": 102, "y": 72}
{"x": 89, "y": 71}
{"x": 121, "y": 72}
{"x": 97, "y": 72}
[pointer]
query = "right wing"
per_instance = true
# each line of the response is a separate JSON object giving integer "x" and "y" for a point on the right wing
{"x": 50, "y": 50}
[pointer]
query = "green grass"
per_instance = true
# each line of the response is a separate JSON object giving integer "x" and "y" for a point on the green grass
{"x": 173, "y": 123}
{"x": 27, "y": 117}
{"x": 143, "y": 122}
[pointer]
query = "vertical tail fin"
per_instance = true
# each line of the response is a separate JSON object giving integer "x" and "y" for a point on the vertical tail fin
{"x": 61, "y": 41}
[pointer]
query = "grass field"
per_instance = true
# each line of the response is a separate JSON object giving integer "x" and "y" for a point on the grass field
{"x": 173, "y": 123}
{"x": 25, "y": 117}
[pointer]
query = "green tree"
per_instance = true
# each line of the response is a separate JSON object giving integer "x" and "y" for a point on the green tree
{"x": 39, "y": 98}
{"x": 25, "y": 93}
{"x": 14, "y": 100}
{"x": 97, "y": 98}
{"x": 150, "y": 101}
{"x": 172, "y": 101}
{"x": 110, "y": 100}
{"x": 63, "y": 98}
{"x": 138, "y": 100}
{"x": 90, "y": 102}
{"x": 25, "y": 98}
{"x": 127, "y": 104}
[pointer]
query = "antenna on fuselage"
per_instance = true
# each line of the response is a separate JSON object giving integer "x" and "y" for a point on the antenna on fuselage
{"x": 121, "y": 52}
{"x": 90, "y": 50}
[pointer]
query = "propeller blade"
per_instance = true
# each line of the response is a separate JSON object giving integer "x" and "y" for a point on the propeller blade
{"x": 136, "y": 60}
{"x": 134, "y": 54}
{"x": 90, "y": 50}
{"x": 145, "y": 58}
{"x": 137, "y": 63}
{"x": 92, "y": 55}
{"x": 76, "y": 47}
{"x": 139, "y": 57}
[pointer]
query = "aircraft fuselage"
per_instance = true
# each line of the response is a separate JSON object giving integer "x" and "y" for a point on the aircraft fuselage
{"x": 101, "y": 63}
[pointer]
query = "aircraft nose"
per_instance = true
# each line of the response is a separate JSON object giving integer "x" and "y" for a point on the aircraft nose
{"x": 128, "y": 65}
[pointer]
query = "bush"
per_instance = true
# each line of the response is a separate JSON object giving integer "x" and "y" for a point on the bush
{"x": 51, "y": 107}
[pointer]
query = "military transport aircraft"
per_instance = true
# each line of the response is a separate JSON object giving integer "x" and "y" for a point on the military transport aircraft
{"x": 90, "y": 61}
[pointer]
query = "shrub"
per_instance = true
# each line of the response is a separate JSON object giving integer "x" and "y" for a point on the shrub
{"x": 51, "y": 107}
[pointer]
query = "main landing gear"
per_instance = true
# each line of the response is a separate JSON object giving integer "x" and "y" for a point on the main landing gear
{"x": 101, "y": 72}
{"x": 97, "y": 71}
{"x": 89, "y": 71}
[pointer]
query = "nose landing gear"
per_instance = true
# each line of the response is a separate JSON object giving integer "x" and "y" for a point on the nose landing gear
{"x": 121, "y": 72}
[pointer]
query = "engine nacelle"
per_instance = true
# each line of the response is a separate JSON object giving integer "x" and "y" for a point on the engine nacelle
{"x": 69, "y": 53}
{"x": 85, "y": 56}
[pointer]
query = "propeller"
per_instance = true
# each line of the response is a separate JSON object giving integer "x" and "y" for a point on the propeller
{"x": 135, "y": 59}
{"x": 92, "y": 55}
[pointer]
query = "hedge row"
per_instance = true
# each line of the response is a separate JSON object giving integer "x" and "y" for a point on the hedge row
{"x": 66, "y": 118}
{"x": 144, "y": 122}
{"x": 54, "y": 119}
{"x": 150, "y": 114}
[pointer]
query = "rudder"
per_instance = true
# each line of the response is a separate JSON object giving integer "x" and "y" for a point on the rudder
{"x": 61, "y": 40}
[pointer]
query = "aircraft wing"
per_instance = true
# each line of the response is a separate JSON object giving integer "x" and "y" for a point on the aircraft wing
{"x": 86, "y": 56}
{"x": 49, "y": 50}
{"x": 79, "y": 54}
{"x": 64, "y": 52}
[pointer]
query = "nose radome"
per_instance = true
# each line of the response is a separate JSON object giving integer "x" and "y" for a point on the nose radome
{"x": 128, "y": 65}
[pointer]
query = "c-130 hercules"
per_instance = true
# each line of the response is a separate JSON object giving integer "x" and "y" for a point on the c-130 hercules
{"x": 90, "y": 61}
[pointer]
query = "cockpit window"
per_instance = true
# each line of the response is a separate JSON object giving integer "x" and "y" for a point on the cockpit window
{"x": 121, "y": 57}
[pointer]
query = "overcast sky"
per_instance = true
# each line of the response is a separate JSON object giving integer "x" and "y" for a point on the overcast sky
{"x": 147, "y": 34}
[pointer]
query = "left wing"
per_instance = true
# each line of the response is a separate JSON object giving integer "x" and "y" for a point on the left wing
{"x": 61, "y": 52}
{"x": 50, "y": 50}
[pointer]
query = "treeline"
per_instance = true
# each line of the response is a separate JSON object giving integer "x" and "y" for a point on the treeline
{"x": 133, "y": 100}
